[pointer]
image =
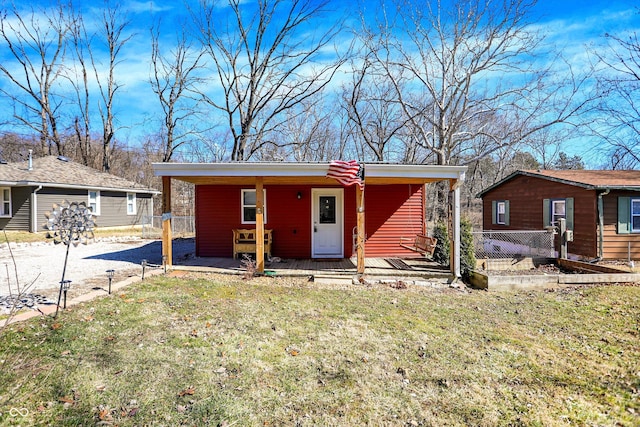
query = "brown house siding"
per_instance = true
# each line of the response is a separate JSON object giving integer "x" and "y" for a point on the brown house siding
{"x": 526, "y": 194}
{"x": 616, "y": 246}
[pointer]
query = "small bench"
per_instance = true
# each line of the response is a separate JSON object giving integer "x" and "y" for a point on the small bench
{"x": 244, "y": 241}
{"x": 424, "y": 244}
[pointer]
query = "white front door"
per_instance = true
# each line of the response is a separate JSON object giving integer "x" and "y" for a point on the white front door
{"x": 327, "y": 219}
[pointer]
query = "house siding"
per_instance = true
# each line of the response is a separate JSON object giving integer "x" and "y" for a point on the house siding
{"x": 526, "y": 194}
{"x": 617, "y": 246}
{"x": 20, "y": 210}
{"x": 391, "y": 211}
{"x": 113, "y": 205}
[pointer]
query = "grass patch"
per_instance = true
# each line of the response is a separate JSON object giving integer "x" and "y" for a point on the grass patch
{"x": 210, "y": 350}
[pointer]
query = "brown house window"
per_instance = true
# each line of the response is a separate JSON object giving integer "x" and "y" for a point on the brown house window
{"x": 500, "y": 212}
{"x": 635, "y": 215}
{"x": 555, "y": 209}
{"x": 558, "y": 210}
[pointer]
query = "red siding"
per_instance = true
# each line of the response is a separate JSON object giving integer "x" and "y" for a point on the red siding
{"x": 218, "y": 212}
{"x": 526, "y": 194}
{"x": 391, "y": 211}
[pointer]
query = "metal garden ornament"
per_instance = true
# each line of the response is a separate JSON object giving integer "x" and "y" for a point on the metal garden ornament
{"x": 69, "y": 224}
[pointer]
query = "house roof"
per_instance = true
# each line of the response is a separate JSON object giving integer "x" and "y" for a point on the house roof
{"x": 588, "y": 179}
{"x": 52, "y": 171}
{"x": 245, "y": 173}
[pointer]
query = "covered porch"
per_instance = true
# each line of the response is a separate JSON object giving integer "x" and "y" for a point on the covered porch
{"x": 224, "y": 181}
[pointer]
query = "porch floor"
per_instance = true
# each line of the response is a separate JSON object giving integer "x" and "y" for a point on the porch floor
{"x": 339, "y": 268}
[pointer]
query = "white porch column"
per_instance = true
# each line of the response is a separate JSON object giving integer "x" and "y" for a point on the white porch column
{"x": 456, "y": 231}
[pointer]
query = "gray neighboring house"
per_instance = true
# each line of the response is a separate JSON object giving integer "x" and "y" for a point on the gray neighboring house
{"x": 29, "y": 189}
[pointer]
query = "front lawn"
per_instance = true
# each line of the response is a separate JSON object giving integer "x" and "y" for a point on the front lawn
{"x": 214, "y": 350}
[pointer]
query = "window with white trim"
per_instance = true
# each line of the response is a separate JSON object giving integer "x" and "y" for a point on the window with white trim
{"x": 5, "y": 196}
{"x": 131, "y": 203}
{"x": 558, "y": 210}
{"x": 94, "y": 202}
{"x": 248, "y": 201}
{"x": 635, "y": 215}
{"x": 501, "y": 212}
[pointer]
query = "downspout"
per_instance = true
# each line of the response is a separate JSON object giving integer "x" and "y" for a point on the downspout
{"x": 34, "y": 209}
{"x": 601, "y": 224}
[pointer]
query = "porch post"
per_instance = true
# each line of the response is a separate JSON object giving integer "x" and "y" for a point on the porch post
{"x": 259, "y": 225}
{"x": 454, "y": 260}
{"x": 455, "y": 265}
{"x": 167, "y": 243}
{"x": 360, "y": 229}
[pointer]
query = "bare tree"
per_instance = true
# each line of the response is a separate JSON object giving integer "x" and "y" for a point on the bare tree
{"x": 375, "y": 117}
{"x": 618, "y": 121}
{"x": 460, "y": 66}
{"x": 266, "y": 61}
{"x": 173, "y": 79}
{"x": 79, "y": 80}
{"x": 114, "y": 23}
{"x": 36, "y": 41}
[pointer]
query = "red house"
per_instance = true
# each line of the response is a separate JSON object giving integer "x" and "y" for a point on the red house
{"x": 602, "y": 208}
{"x": 309, "y": 214}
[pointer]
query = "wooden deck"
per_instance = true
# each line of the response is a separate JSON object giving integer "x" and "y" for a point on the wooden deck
{"x": 346, "y": 268}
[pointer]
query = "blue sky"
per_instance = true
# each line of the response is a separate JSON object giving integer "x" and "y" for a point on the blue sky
{"x": 571, "y": 25}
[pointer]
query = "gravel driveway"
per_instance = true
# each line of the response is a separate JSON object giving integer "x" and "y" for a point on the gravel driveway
{"x": 39, "y": 265}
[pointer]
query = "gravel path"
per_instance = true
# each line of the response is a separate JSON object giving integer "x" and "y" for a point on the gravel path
{"x": 39, "y": 265}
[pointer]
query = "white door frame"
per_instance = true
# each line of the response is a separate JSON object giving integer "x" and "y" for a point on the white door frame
{"x": 339, "y": 194}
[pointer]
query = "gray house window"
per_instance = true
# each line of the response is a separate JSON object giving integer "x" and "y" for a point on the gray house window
{"x": 5, "y": 196}
{"x": 94, "y": 202}
{"x": 131, "y": 203}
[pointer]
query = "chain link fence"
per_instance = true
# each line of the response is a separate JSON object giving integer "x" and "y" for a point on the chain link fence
{"x": 514, "y": 244}
{"x": 181, "y": 226}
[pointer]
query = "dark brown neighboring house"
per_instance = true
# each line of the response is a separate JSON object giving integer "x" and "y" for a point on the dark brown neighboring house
{"x": 602, "y": 208}
{"x": 28, "y": 189}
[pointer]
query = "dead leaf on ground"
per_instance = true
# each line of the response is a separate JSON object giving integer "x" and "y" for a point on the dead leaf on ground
{"x": 190, "y": 391}
{"x": 56, "y": 326}
{"x": 66, "y": 399}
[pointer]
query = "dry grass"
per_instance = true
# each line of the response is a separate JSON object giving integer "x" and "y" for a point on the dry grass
{"x": 211, "y": 350}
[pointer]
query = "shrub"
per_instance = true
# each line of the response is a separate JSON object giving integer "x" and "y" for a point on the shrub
{"x": 441, "y": 253}
{"x": 467, "y": 250}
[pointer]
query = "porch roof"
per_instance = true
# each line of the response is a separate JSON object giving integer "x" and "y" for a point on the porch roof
{"x": 273, "y": 173}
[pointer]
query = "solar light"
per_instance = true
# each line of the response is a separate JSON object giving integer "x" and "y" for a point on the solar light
{"x": 144, "y": 266}
{"x": 65, "y": 285}
{"x": 110, "y": 274}
{"x": 164, "y": 263}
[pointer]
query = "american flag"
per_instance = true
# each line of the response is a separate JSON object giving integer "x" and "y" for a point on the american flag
{"x": 347, "y": 172}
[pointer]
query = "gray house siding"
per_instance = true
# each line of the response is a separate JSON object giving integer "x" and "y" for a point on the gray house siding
{"x": 113, "y": 205}
{"x": 48, "y": 196}
{"x": 20, "y": 210}
{"x": 113, "y": 209}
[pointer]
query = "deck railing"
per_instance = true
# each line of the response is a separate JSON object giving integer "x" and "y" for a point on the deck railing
{"x": 514, "y": 244}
